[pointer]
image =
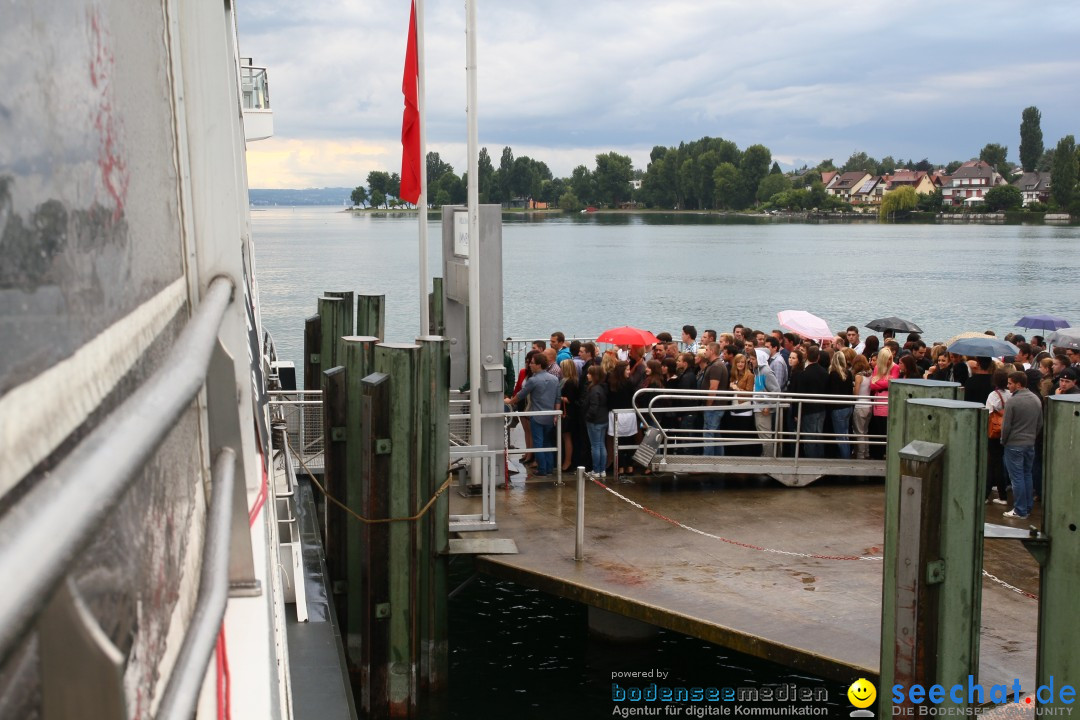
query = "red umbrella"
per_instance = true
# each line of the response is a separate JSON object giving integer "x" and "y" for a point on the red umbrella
{"x": 627, "y": 336}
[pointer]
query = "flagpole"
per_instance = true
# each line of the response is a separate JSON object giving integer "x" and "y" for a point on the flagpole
{"x": 474, "y": 223}
{"x": 422, "y": 207}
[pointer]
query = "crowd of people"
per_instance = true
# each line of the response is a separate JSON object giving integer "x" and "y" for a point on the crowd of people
{"x": 589, "y": 388}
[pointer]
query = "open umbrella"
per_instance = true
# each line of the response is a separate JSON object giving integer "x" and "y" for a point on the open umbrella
{"x": 1042, "y": 322}
{"x": 627, "y": 335}
{"x": 1068, "y": 338}
{"x": 982, "y": 347}
{"x": 964, "y": 335}
{"x": 803, "y": 323}
{"x": 893, "y": 323}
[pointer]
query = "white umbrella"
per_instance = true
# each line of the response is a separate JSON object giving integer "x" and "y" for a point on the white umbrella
{"x": 806, "y": 324}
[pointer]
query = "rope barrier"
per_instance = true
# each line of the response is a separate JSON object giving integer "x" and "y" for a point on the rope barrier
{"x": 358, "y": 516}
{"x": 749, "y": 546}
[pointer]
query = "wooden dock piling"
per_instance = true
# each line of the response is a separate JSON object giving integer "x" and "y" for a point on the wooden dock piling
{"x": 371, "y": 316}
{"x": 312, "y": 349}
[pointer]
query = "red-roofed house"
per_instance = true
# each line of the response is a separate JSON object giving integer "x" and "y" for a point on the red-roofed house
{"x": 842, "y": 186}
{"x": 918, "y": 179}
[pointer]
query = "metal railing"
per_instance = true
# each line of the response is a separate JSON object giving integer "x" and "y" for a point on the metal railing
{"x": 301, "y": 411}
{"x": 44, "y": 532}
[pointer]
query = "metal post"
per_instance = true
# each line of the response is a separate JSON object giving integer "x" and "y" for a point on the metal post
{"x": 371, "y": 316}
{"x": 934, "y": 573}
{"x": 558, "y": 450}
{"x": 579, "y": 523}
{"x": 473, "y": 195}
{"x": 1059, "y": 584}
{"x": 900, "y": 391}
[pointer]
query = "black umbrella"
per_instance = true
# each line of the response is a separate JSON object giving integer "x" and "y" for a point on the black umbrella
{"x": 895, "y": 324}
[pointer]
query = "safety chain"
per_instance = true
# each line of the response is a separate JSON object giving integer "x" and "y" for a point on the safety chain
{"x": 358, "y": 516}
{"x": 1007, "y": 586}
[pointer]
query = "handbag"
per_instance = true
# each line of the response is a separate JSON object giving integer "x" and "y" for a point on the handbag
{"x": 997, "y": 417}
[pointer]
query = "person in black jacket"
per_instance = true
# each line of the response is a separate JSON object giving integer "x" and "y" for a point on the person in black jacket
{"x": 595, "y": 413}
{"x": 813, "y": 380}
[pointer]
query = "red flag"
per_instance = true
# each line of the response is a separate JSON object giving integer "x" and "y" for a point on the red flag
{"x": 410, "y": 122}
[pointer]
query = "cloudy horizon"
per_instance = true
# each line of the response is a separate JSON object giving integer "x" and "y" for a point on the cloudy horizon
{"x": 561, "y": 81}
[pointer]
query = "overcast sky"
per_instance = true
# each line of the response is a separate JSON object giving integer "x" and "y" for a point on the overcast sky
{"x": 563, "y": 80}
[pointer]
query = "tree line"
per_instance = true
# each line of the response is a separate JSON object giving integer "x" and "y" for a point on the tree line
{"x": 714, "y": 174}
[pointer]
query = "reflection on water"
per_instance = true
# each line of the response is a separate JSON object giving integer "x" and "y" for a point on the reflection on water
{"x": 517, "y": 652}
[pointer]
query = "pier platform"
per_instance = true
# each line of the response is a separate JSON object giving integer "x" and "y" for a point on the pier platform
{"x": 788, "y": 575}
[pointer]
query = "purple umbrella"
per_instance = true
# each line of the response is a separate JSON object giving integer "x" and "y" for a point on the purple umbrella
{"x": 1042, "y": 322}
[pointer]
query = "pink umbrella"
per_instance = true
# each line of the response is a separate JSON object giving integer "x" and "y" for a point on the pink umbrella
{"x": 803, "y": 323}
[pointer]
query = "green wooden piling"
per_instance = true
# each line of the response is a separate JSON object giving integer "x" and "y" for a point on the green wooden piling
{"x": 1059, "y": 583}
{"x": 433, "y": 381}
{"x": 948, "y": 639}
{"x": 333, "y": 317}
{"x": 371, "y": 315}
{"x": 334, "y": 473}
{"x": 900, "y": 391}
{"x": 357, "y": 355}
{"x": 400, "y": 362}
{"x": 436, "y": 323}
{"x": 374, "y": 577}
{"x": 347, "y": 322}
{"x": 312, "y": 350}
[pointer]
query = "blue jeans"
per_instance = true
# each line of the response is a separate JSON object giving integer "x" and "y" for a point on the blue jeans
{"x": 712, "y": 431}
{"x": 841, "y": 421}
{"x": 813, "y": 422}
{"x": 1018, "y": 461}
{"x": 597, "y": 432}
{"x": 543, "y": 436}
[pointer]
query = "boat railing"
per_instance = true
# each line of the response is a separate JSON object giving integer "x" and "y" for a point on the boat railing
{"x": 301, "y": 411}
{"x": 43, "y": 533}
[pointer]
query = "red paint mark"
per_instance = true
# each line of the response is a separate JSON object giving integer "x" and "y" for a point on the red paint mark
{"x": 113, "y": 169}
{"x": 1027, "y": 700}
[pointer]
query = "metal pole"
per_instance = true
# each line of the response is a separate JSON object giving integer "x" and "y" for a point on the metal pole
{"x": 579, "y": 523}
{"x": 558, "y": 450}
{"x": 474, "y": 221}
{"x": 422, "y": 205}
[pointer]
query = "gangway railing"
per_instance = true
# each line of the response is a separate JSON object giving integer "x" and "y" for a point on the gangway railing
{"x": 45, "y": 531}
{"x": 791, "y": 453}
{"x": 301, "y": 411}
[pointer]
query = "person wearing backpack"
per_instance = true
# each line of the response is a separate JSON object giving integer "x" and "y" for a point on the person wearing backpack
{"x": 995, "y": 451}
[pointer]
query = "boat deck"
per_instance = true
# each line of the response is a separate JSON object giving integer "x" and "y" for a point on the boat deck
{"x": 768, "y": 571}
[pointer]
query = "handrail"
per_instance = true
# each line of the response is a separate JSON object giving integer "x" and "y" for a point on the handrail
{"x": 43, "y": 533}
{"x": 182, "y": 692}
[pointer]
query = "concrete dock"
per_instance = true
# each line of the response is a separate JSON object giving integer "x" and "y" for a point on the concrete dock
{"x": 789, "y": 575}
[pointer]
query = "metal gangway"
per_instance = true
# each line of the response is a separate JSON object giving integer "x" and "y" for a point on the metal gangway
{"x": 786, "y": 451}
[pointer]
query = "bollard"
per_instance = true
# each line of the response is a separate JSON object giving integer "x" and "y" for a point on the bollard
{"x": 332, "y": 326}
{"x": 347, "y": 324}
{"x": 371, "y": 315}
{"x": 436, "y": 324}
{"x": 1058, "y": 659}
{"x": 579, "y": 523}
{"x": 933, "y": 558}
{"x": 900, "y": 391}
{"x": 312, "y": 349}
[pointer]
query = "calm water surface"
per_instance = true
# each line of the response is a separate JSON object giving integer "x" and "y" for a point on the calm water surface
{"x": 582, "y": 274}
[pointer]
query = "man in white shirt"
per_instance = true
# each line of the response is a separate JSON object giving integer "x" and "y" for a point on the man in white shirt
{"x": 853, "y": 340}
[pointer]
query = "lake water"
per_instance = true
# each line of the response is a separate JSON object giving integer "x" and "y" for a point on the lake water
{"x": 584, "y": 273}
{"x": 520, "y": 653}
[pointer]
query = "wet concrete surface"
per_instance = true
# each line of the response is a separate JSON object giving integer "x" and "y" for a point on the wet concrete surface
{"x": 728, "y": 575}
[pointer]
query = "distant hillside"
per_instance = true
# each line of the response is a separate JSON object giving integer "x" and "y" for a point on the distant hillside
{"x": 307, "y": 196}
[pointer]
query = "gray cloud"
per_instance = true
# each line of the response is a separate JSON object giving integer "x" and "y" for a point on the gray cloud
{"x": 808, "y": 79}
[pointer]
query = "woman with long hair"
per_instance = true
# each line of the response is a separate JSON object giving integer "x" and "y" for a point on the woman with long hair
{"x": 621, "y": 424}
{"x": 741, "y": 380}
{"x": 870, "y": 347}
{"x": 1046, "y": 381}
{"x": 595, "y": 414}
{"x": 860, "y": 369}
{"x": 842, "y": 385}
{"x": 879, "y": 392}
{"x": 908, "y": 367}
{"x": 573, "y": 428}
{"x": 522, "y": 405}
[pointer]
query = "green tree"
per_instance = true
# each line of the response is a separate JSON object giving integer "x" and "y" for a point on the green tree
{"x": 994, "y": 155}
{"x": 378, "y": 197}
{"x": 502, "y": 184}
{"x": 952, "y": 167}
{"x": 817, "y": 197}
{"x": 931, "y": 202}
{"x": 726, "y": 185}
{"x": 436, "y": 168}
{"x": 485, "y": 176}
{"x": 924, "y": 165}
{"x": 1003, "y": 197}
{"x": 754, "y": 167}
{"x": 379, "y": 182}
{"x": 612, "y": 177}
{"x": 1031, "y": 138}
{"x": 1064, "y": 171}
{"x": 826, "y": 165}
{"x": 1046, "y": 160}
{"x": 394, "y": 186}
{"x": 772, "y": 184}
{"x": 581, "y": 184}
{"x": 359, "y": 196}
{"x": 898, "y": 200}
{"x": 859, "y": 161}
{"x": 569, "y": 202}
{"x": 775, "y": 170}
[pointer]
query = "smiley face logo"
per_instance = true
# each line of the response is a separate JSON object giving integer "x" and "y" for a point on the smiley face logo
{"x": 862, "y": 693}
